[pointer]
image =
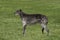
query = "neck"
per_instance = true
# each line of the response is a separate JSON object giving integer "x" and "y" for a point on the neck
{"x": 22, "y": 14}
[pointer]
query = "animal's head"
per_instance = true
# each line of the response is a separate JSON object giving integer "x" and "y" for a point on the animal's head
{"x": 18, "y": 12}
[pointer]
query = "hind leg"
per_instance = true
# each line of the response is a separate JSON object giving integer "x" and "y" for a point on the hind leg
{"x": 42, "y": 30}
{"x": 44, "y": 27}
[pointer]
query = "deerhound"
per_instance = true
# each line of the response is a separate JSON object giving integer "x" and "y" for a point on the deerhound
{"x": 32, "y": 19}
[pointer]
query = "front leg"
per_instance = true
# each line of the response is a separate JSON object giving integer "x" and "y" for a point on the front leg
{"x": 24, "y": 28}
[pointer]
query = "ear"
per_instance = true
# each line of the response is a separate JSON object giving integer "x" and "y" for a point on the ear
{"x": 20, "y": 10}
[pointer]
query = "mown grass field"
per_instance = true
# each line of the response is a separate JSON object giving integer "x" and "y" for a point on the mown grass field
{"x": 11, "y": 26}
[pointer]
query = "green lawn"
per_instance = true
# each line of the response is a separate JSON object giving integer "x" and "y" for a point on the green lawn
{"x": 11, "y": 25}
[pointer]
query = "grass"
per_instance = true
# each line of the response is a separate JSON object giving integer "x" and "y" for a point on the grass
{"x": 11, "y": 26}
